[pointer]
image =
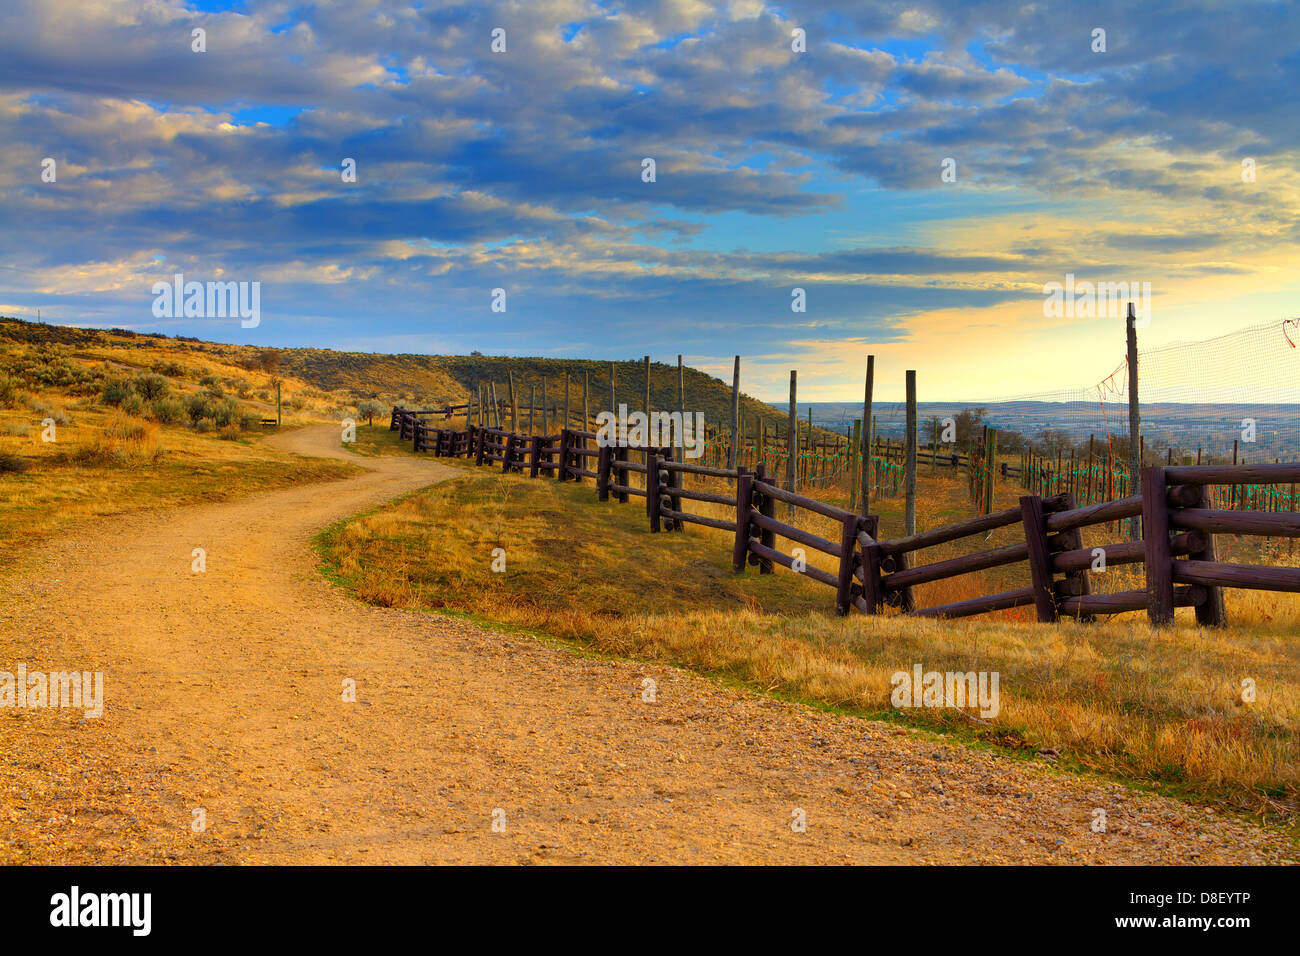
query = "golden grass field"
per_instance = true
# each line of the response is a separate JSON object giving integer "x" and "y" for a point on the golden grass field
{"x": 106, "y": 459}
{"x": 1160, "y": 708}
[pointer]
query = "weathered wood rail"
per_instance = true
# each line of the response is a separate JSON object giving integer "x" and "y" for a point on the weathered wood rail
{"x": 1175, "y": 505}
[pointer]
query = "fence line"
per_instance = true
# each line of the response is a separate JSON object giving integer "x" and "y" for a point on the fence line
{"x": 1176, "y": 505}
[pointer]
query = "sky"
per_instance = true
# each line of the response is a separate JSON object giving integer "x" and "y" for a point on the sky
{"x": 922, "y": 171}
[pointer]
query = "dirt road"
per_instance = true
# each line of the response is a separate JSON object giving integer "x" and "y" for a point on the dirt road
{"x": 225, "y": 736}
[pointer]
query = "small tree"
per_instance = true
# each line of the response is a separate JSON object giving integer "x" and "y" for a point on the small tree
{"x": 268, "y": 360}
{"x": 369, "y": 410}
{"x": 968, "y": 422}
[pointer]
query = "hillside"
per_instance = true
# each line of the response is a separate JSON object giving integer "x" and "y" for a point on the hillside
{"x": 346, "y": 378}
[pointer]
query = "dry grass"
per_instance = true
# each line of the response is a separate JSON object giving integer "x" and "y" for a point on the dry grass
{"x": 104, "y": 462}
{"x": 123, "y": 441}
{"x": 145, "y": 452}
{"x": 1160, "y": 707}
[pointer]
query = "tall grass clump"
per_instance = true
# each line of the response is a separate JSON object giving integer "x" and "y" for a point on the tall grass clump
{"x": 43, "y": 411}
{"x": 124, "y": 440}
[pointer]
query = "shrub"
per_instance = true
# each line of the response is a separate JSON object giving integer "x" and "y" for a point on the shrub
{"x": 18, "y": 429}
{"x": 167, "y": 411}
{"x": 8, "y": 392}
{"x": 151, "y": 387}
{"x": 115, "y": 390}
{"x": 197, "y": 408}
{"x": 226, "y": 413}
{"x": 56, "y": 371}
{"x": 172, "y": 369}
{"x": 133, "y": 405}
{"x": 368, "y": 410}
{"x": 212, "y": 384}
{"x": 11, "y": 464}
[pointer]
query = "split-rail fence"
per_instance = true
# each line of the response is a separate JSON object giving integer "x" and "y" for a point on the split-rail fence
{"x": 1175, "y": 505}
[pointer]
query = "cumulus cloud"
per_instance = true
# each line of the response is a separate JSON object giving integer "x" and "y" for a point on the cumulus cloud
{"x": 478, "y": 168}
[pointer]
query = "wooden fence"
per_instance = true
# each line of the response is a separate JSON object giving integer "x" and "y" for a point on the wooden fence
{"x": 1175, "y": 506}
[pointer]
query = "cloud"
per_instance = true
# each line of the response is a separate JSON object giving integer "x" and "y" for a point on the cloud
{"x": 523, "y": 169}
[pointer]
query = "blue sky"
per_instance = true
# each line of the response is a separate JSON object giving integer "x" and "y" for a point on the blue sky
{"x": 776, "y": 169}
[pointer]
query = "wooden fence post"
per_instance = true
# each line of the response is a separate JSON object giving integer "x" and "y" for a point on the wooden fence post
{"x": 735, "y": 414}
{"x": 854, "y": 463}
{"x": 675, "y": 479}
{"x": 872, "y": 592}
{"x": 602, "y": 473}
{"x": 868, "y": 429}
{"x": 478, "y": 451}
{"x": 767, "y": 538}
{"x": 665, "y": 489}
{"x": 681, "y": 408}
{"x": 1159, "y": 556}
{"x": 620, "y": 455}
{"x": 563, "y": 464}
{"x": 514, "y": 407}
{"x": 508, "y": 454}
{"x": 1135, "y": 428}
{"x": 577, "y": 460}
{"x": 567, "y": 424}
{"x": 646, "y": 409}
{"x": 1040, "y": 558}
{"x": 534, "y": 455}
{"x": 992, "y": 453}
{"x": 1212, "y": 613}
{"x": 652, "y": 489}
{"x": 909, "y": 511}
{"x": 1077, "y": 583}
{"x": 744, "y": 507}
{"x": 848, "y": 556}
{"x": 792, "y": 445}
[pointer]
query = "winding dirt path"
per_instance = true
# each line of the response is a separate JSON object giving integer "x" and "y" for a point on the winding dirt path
{"x": 224, "y": 695}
